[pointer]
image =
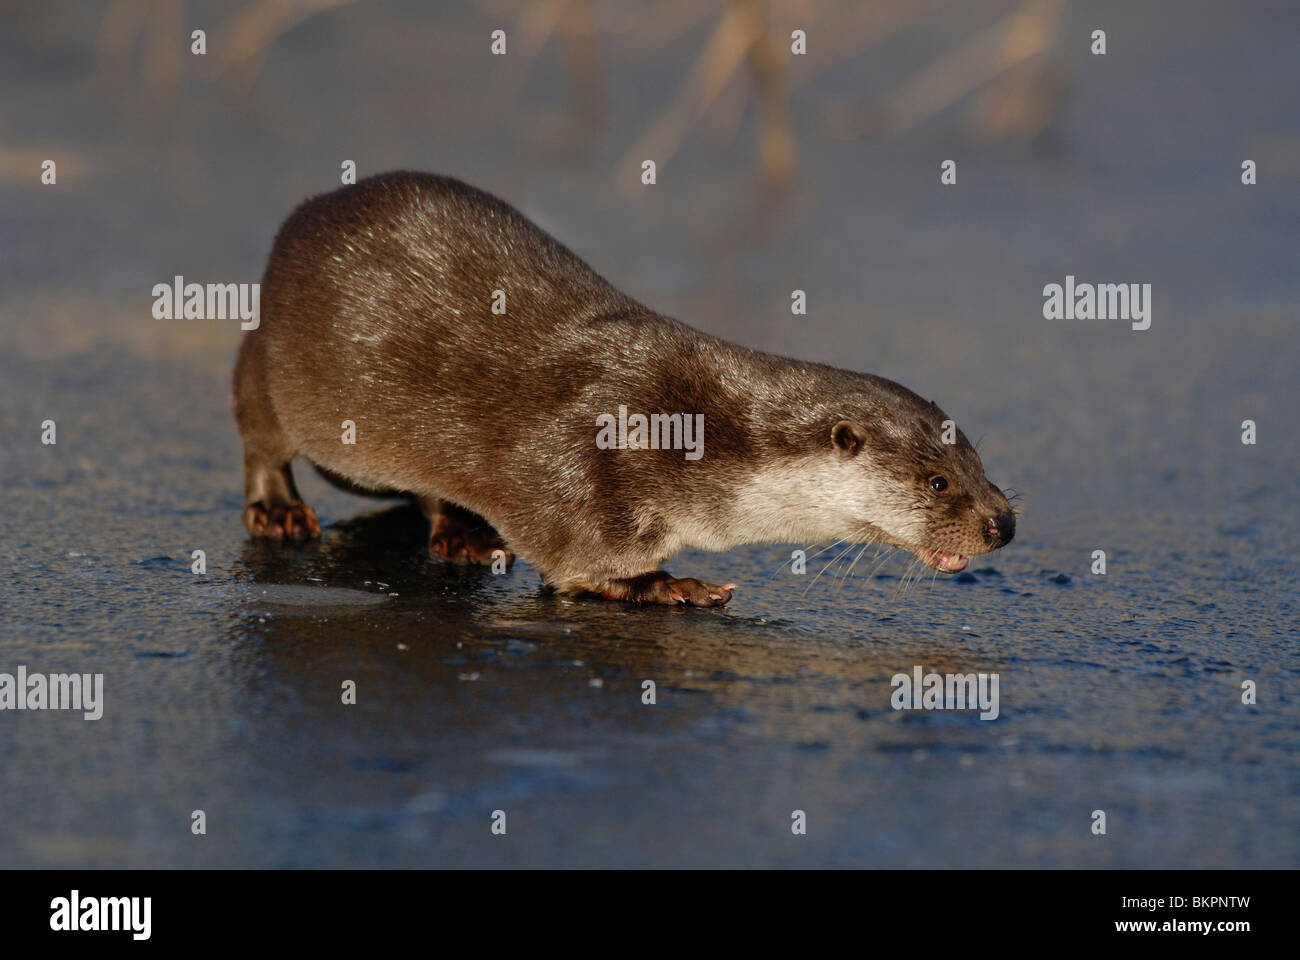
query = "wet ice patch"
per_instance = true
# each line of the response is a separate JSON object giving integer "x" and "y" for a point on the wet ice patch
{"x": 531, "y": 628}
{"x": 291, "y": 595}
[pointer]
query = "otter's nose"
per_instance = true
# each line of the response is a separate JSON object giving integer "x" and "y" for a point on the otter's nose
{"x": 999, "y": 530}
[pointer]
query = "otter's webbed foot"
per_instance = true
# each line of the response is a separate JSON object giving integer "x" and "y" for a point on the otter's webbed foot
{"x": 661, "y": 587}
{"x": 281, "y": 521}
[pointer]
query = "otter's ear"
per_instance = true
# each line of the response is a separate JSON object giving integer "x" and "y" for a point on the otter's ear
{"x": 849, "y": 437}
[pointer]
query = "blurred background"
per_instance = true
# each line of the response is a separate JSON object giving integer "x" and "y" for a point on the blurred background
{"x": 818, "y": 172}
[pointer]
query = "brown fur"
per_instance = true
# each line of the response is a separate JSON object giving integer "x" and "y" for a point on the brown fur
{"x": 376, "y": 308}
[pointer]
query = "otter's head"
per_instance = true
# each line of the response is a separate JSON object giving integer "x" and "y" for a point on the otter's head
{"x": 910, "y": 488}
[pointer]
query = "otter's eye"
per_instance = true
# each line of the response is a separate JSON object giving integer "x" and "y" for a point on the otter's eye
{"x": 938, "y": 484}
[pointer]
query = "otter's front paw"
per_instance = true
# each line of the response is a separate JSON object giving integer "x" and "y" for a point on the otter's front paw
{"x": 281, "y": 521}
{"x": 660, "y": 587}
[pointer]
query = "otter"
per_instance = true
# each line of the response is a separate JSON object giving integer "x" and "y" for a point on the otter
{"x": 478, "y": 361}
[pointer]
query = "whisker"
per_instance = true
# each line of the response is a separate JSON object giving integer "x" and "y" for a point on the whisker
{"x": 844, "y": 579}
{"x": 828, "y": 547}
{"x": 881, "y": 558}
{"x": 829, "y": 564}
{"x": 917, "y": 574}
{"x": 903, "y": 582}
{"x": 785, "y": 563}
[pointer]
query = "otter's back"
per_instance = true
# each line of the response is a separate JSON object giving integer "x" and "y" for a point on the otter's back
{"x": 378, "y": 302}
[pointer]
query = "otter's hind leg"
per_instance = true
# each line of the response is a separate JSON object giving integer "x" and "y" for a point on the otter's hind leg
{"x": 460, "y": 536}
{"x": 272, "y": 506}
